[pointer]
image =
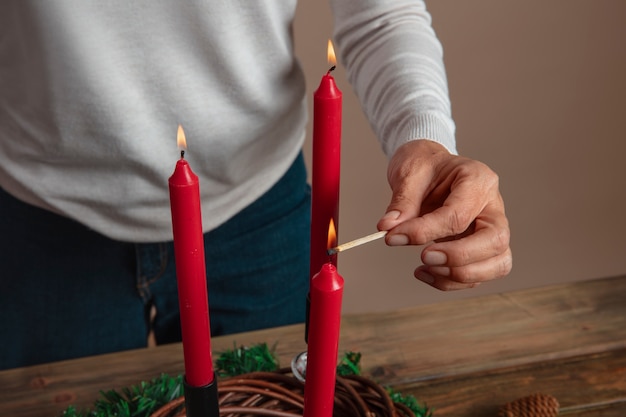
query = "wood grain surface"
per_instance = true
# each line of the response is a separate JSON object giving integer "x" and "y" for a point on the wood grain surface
{"x": 463, "y": 358}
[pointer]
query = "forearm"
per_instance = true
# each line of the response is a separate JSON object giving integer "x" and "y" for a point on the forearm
{"x": 394, "y": 62}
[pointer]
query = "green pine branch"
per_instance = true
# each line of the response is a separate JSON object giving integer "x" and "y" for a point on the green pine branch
{"x": 137, "y": 401}
{"x": 143, "y": 399}
{"x": 242, "y": 360}
{"x": 411, "y": 402}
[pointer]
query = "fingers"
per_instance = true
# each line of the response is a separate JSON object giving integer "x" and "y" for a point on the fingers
{"x": 442, "y": 283}
{"x": 447, "y": 278}
{"x": 482, "y": 255}
{"x": 487, "y": 237}
{"x": 451, "y": 208}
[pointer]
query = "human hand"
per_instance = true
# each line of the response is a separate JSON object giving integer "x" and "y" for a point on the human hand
{"x": 453, "y": 205}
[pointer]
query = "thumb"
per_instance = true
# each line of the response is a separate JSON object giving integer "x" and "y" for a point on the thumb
{"x": 410, "y": 173}
{"x": 406, "y": 201}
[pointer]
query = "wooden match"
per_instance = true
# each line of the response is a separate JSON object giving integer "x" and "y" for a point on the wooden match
{"x": 356, "y": 242}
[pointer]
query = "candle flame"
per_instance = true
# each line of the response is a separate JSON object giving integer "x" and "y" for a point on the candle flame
{"x": 332, "y": 59}
{"x": 181, "y": 142}
{"x": 332, "y": 235}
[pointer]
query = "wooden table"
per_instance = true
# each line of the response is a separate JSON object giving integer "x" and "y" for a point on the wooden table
{"x": 463, "y": 358}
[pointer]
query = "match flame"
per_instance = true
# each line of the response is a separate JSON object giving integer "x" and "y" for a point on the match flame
{"x": 332, "y": 59}
{"x": 332, "y": 235}
{"x": 181, "y": 142}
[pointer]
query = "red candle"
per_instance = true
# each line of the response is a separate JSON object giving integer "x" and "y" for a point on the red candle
{"x": 191, "y": 271}
{"x": 326, "y": 165}
{"x": 323, "y": 343}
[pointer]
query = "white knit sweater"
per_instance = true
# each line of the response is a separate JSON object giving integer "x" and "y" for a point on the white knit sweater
{"x": 91, "y": 94}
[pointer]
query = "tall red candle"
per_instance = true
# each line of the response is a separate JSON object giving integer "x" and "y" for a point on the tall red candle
{"x": 191, "y": 271}
{"x": 327, "y": 102}
{"x": 323, "y": 343}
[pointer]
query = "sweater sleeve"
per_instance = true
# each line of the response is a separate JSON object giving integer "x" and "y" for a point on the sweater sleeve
{"x": 394, "y": 63}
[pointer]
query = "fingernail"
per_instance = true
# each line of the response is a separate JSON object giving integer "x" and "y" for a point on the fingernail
{"x": 398, "y": 240}
{"x": 424, "y": 277}
{"x": 433, "y": 258}
{"x": 391, "y": 215}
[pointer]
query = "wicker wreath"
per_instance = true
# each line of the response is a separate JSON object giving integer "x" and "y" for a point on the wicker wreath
{"x": 280, "y": 394}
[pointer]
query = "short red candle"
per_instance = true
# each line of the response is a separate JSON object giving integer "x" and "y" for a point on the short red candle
{"x": 325, "y": 176}
{"x": 323, "y": 343}
{"x": 191, "y": 274}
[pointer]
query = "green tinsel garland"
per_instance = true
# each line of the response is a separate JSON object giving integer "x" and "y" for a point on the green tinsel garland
{"x": 145, "y": 398}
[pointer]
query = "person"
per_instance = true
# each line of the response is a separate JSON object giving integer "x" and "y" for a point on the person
{"x": 92, "y": 94}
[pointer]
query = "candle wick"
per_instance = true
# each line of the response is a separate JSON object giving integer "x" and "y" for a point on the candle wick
{"x": 331, "y": 69}
{"x": 332, "y": 255}
{"x": 182, "y": 154}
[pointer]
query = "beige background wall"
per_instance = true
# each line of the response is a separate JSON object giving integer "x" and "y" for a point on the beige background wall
{"x": 539, "y": 94}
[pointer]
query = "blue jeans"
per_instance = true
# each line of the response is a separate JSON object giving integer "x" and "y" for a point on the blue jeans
{"x": 67, "y": 291}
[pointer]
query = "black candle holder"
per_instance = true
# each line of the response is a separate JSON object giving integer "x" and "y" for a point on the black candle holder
{"x": 202, "y": 401}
